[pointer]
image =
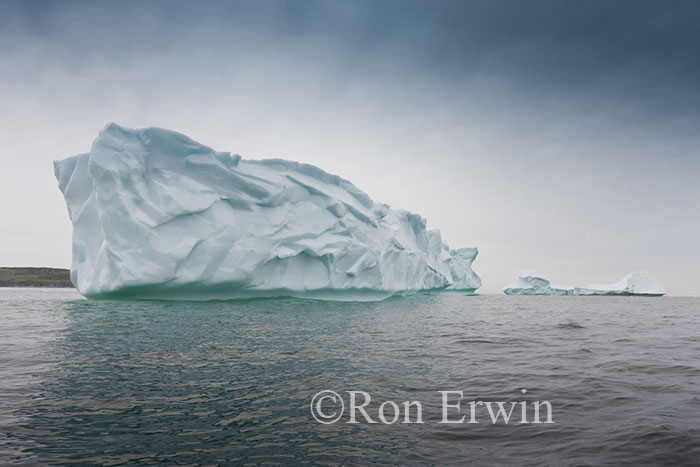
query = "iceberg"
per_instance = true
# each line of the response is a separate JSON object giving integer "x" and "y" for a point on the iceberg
{"x": 530, "y": 282}
{"x": 635, "y": 283}
{"x": 157, "y": 215}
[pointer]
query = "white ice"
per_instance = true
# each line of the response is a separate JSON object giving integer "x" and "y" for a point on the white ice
{"x": 158, "y": 215}
{"x": 529, "y": 282}
{"x": 635, "y": 283}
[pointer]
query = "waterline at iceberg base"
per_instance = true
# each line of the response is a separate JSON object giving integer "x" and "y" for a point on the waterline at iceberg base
{"x": 158, "y": 215}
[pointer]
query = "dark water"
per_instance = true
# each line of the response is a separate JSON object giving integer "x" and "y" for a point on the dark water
{"x": 224, "y": 383}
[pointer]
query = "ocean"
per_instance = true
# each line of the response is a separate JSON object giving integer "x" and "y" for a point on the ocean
{"x": 249, "y": 382}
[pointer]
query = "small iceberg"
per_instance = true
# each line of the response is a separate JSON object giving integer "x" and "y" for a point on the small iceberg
{"x": 640, "y": 283}
{"x": 635, "y": 283}
{"x": 530, "y": 282}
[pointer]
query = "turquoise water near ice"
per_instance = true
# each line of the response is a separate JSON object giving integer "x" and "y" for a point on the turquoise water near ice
{"x": 231, "y": 382}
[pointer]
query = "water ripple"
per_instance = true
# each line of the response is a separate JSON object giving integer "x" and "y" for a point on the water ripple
{"x": 230, "y": 382}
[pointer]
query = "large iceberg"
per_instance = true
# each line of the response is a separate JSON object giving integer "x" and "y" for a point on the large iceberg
{"x": 158, "y": 215}
{"x": 530, "y": 282}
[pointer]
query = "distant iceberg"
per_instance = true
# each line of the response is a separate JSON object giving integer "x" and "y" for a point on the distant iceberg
{"x": 529, "y": 282}
{"x": 636, "y": 283}
{"x": 158, "y": 215}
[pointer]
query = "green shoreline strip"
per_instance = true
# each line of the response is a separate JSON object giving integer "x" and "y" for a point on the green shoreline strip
{"x": 35, "y": 277}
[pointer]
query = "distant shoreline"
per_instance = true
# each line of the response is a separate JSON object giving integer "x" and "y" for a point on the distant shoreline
{"x": 35, "y": 277}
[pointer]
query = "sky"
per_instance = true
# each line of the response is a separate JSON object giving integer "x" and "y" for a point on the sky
{"x": 562, "y": 136}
